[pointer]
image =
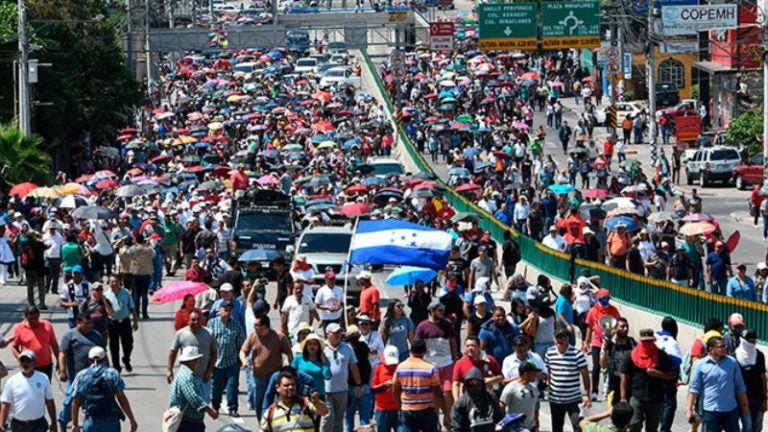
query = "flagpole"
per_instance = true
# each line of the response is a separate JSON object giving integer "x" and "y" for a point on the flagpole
{"x": 349, "y": 270}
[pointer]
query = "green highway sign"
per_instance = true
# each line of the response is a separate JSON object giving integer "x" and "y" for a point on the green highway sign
{"x": 508, "y": 26}
{"x": 570, "y": 24}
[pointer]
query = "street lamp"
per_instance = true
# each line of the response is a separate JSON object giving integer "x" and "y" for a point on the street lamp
{"x": 654, "y": 12}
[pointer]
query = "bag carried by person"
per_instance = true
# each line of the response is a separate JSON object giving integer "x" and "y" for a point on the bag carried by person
{"x": 172, "y": 419}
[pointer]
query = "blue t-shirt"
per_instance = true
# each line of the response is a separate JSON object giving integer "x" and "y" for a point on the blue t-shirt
{"x": 563, "y": 307}
{"x": 470, "y": 298}
{"x": 318, "y": 372}
{"x": 498, "y": 340}
{"x": 340, "y": 359}
{"x": 718, "y": 265}
{"x": 398, "y": 334}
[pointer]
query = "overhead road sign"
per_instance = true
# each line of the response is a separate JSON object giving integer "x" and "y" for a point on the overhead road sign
{"x": 570, "y": 24}
{"x": 508, "y": 26}
{"x": 441, "y": 36}
{"x": 690, "y": 20}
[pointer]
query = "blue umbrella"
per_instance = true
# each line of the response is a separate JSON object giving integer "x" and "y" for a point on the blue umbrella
{"x": 445, "y": 94}
{"x": 275, "y": 55}
{"x": 319, "y": 138}
{"x": 482, "y": 165}
{"x": 627, "y": 221}
{"x": 472, "y": 151}
{"x": 408, "y": 275}
{"x": 348, "y": 144}
{"x": 561, "y": 189}
{"x": 458, "y": 172}
{"x": 321, "y": 206}
{"x": 258, "y": 255}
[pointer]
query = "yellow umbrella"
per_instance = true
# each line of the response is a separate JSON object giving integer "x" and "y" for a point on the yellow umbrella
{"x": 233, "y": 98}
{"x": 72, "y": 189}
{"x": 44, "y": 192}
{"x": 326, "y": 144}
{"x": 215, "y": 126}
{"x": 185, "y": 139}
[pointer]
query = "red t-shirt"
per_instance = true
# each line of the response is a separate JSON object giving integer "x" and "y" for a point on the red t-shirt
{"x": 574, "y": 229}
{"x": 369, "y": 303}
{"x": 385, "y": 400}
{"x": 239, "y": 181}
{"x": 194, "y": 275}
{"x": 593, "y": 321}
{"x": 489, "y": 368}
{"x": 37, "y": 340}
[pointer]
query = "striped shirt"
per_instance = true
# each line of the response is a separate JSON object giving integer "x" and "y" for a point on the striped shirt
{"x": 417, "y": 379}
{"x": 298, "y": 418}
{"x": 564, "y": 372}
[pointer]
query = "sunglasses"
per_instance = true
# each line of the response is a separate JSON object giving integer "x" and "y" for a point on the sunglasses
{"x": 399, "y": 306}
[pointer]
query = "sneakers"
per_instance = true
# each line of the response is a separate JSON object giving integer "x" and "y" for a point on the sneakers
{"x": 594, "y": 397}
{"x": 233, "y": 414}
{"x": 128, "y": 367}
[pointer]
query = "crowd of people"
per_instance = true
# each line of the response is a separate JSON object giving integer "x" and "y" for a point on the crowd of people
{"x": 448, "y": 346}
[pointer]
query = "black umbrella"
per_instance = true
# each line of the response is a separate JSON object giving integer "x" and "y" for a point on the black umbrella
{"x": 93, "y": 212}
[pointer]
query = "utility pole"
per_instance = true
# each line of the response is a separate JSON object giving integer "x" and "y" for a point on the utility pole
{"x": 169, "y": 11}
{"x": 652, "y": 85}
{"x": 612, "y": 76}
{"x": 765, "y": 101}
{"x": 147, "y": 50}
{"x": 25, "y": 111}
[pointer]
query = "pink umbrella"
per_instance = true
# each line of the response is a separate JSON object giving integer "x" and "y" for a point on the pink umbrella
{"x": 267, "y": 180}
{"x": 174, "y": 291}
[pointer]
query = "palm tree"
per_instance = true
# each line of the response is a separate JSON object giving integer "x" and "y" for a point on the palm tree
{"x": 22, "y": 159}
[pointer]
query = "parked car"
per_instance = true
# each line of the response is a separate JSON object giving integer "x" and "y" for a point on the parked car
{"x": 633, "y": 109}
{"x": 667, "y": 94}
{"x": 749, "y": 173}
{"x": 711, "y": 164}
{"x": 387, "y": 167}
{"x": 684, "y": 107}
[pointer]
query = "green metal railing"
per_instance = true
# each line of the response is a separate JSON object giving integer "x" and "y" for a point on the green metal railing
{"x": 659, "y": 297}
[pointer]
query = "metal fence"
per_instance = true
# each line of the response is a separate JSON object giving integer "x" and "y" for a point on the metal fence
{"x": 660, "y": 297}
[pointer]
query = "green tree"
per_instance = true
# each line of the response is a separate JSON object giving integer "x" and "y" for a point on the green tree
{"x": 22, "y": 159}
{"x": 746, "y": 129}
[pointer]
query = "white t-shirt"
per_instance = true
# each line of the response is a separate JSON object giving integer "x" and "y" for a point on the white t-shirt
{"x": 27, "y": 396}
{"x": 328, "y": 297}
{"x": 53, "y": 245}
{"x": 511, "y": 365}
{"x": 375, "y": 343}
{"x": 297, "y": 311}
{"x": 556, "y": 243}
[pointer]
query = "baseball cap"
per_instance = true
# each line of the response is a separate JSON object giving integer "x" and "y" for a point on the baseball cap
{"x": 97, "y": 353}
{"x": 479, "y": 299}
{"x": 77, "y": 269}
{"x": 647, "y": 335}
{"x": 226, "y": 286}
{"x": 27, "y": 354}
{"x": 741, "y": 265}
{"x": 520, "y": 340}
{"x": 735, "y": 319}
{"x": 365, "y": 274}
{"x": 527, "y": 367}
{"x": 330, "y": 275}
{"x": 353, "y": 329}
{"x": 391, "y": 355}
{"x": 603, "y": 292}
{"x": 333, "y": 328}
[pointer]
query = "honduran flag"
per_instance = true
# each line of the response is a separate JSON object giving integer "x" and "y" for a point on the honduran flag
{"x": 395, "y": 242}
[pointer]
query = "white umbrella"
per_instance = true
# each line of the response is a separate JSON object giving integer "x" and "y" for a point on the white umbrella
{"x": 618, "y": 202}
{"x": 72, "y": 201}
{"x": 447, "y": 83}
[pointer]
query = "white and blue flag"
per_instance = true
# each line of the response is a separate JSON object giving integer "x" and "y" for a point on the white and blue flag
{"x": 395, "y": 242}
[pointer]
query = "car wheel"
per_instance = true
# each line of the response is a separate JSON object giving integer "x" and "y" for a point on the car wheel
{"x": 702, "y": 179}
{"x": 688, "y": 179}
{"x": 739, "y": 183}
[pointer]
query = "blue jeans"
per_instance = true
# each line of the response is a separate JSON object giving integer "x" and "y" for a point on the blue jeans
{"x": 259, "y": 388}
{"x": 65, "y": 415}
{"x": 419, "y": 421}
{"x": 187, "y": 426}
{"x": 765, "y": 226}
{"x": 670, "y": 406}
{"x": 207, "y": 390}
{"x": 228, "y": 377}
{"x": 364, "y": 403}
{"x": 715, "y": 421}
{"x": 541, "y": 348}
{"x": 387, "y": 421}
{"x": 157, "y": 272}
{"x": 718, "y": 286}
{"x": 141, "y": 292}
{"x": 107, "y": 424}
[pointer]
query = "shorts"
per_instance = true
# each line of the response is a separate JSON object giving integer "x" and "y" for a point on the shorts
{"x": 446, "y": 377}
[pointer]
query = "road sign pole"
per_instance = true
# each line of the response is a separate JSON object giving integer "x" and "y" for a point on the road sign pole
{"x": 765, "y": 102}
{"x": 611, "y": 75}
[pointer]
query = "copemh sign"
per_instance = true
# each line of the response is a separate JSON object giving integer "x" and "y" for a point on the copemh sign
{"x": 570, "y": 24}
{"x": 690, "y": 20}
{"x": 508, "y": 26}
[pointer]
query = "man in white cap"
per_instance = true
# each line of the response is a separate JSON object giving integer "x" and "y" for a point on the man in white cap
{"x": 100, "y": 391}
{"x": 26, "y": 397}
{"x": 386, "y": 413}
{"x": 369, "y": 298}
{"x": 329, "y": 300}
{"x": 227, "y": 294}
{"x": 186, "y": 392}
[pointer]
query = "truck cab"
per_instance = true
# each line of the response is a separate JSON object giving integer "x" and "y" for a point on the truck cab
{"x": 297, "y": 41}
{"x": 264, "y": 219}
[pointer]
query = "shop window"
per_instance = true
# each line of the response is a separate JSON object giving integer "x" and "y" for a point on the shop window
{"x": 673, "y": 71}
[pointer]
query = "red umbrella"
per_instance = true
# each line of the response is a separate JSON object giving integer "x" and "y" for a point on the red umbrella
{"x": 431, "y": 119}
{"x": 222, "y": 171}
{"x": 431, "y": 96}
{"x": 587, "y": 79}
{"x": 83, "y": 178}
{"x": 107, "y": 184}
{"x": 425, "y": 185}
{"x": 501, "y": 154}
{"x": 358, "y": 188}
{"x": 126, "y": 137}
{"x": 323, "y": 126}
{"x": 161, "y": 159}
{"x": 458, "y": 126}
{"x": 355, "y": 209}
{"x": 22, "y": 189}
{"x": 128, "y": 130}
{"x": 596, "y": 193}
{"x": 469, "y": 187}
{"x": 195, "y": 169}
{"x": 322, "y": 96}
{"x": 529, "y": 76}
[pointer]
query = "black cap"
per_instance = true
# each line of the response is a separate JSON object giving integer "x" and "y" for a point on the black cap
{"x": 279, "y": 260}
{"x": 520, "y": 340}
{"x": 749, "y": 334}
{"x": 527, "y": 367}
{"x": 561, "y": 333}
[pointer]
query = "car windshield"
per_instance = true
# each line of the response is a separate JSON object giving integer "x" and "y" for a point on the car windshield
{"x": 251, "y": 223}
{"x": 724, "y": 154}
{"x": 306, "y": 62}
{"x": 325, "y": 243}
{"x": 388, "y": 168}
{"x": 335, "y": 73}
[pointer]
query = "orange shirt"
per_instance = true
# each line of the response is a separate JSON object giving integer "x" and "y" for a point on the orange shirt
{"x": 369, "y": 303}
{"x": 618, "y": 244}
{"x": 38, "y": 340}
{"x": 417, "y": 379}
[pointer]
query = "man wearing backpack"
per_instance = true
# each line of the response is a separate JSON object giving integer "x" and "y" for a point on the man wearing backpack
{"x": 74, "y": 292}
{"x": 100, "y": 391}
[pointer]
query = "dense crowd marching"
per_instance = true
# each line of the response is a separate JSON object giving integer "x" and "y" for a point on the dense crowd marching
{"x": 163, "y": 203}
